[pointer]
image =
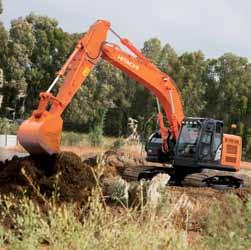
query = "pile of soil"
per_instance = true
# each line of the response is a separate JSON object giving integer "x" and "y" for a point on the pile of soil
{"x": 63, "y": 174}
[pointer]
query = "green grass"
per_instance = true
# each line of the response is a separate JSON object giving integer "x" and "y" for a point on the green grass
{"x": 82, "y": 139}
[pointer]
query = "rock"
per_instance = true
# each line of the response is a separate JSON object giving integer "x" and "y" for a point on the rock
{"x": 153, "y": 192}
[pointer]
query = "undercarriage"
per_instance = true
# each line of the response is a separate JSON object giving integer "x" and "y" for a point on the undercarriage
{"x": 202, "y": 178}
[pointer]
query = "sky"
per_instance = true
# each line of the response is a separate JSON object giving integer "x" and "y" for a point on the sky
{"x": 212, "y": 26}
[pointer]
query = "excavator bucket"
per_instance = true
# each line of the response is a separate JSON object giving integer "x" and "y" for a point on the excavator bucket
{"x": 41, "y": 135}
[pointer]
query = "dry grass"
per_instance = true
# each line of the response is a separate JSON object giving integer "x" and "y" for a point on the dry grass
{"x": 93, "y": 226}
{"x": 246, "y": 165}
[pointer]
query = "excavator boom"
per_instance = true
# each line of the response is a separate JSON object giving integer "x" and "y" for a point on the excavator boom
{"x": 41, "y": 133}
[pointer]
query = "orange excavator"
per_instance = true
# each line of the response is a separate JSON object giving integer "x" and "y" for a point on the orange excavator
{"x": 191, "y": 145}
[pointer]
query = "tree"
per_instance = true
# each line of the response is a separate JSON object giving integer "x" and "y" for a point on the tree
{"x": 17, "y": 53}
{"x": 144, "y": 107}
{"x": 189, "y": 77}
{"x": 229, "y": 87}
{"x": 143, "y": 103}
{"x": 52, "y": 47}
{"x": 3, "y": 46}
{"x": 1, "y": 7}
{"x": 152, "y": 49}
{"x": 168, "y": 60}
{"x": 229, "y": 92}
{"x": 120, "y": 97}
{"x": 102, "y": 98}
{"x": 3, "y": 41}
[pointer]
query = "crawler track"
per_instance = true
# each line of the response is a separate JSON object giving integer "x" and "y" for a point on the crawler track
{"x": 218, "y": 179}
{"x": 210, "y": 178}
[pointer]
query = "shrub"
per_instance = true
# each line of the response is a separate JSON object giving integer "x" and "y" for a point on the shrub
{"x": 96, "y": 136}
{"x": 117, "y": 191}
{"x": 8, "y": 127}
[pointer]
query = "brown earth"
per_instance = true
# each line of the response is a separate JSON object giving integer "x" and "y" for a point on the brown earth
{"x": 64, "y": 172}
{"x": 73, "y": 178}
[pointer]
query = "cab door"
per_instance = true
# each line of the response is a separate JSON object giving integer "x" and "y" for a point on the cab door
{"x": 210, "y": 141}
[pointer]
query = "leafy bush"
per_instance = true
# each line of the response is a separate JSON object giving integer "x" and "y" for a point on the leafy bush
{"x": 7, "y": 127}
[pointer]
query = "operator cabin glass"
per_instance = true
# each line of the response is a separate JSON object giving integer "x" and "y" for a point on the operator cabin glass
{"x": 188, "y": 139}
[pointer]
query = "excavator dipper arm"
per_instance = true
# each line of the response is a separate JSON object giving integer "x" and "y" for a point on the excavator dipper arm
{"x": 41, "y": 133}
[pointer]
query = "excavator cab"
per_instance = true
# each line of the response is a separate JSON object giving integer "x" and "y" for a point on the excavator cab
{"x": 201, "y": 144}
{"x": 186, "y": 147}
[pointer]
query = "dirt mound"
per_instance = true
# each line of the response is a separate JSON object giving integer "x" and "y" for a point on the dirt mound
{"x": 62, "y": 174}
